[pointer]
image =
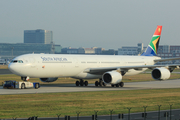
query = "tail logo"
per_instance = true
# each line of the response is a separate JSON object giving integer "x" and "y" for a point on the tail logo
{"x": 159, "y": 30}
{"x": 154, "y": 43}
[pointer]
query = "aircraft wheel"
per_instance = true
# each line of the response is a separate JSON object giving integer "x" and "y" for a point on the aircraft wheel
{"x": 36, "y": 86}
{"x": 96, "y": 83}
{"x": 81, "y": 83}
{"x": 100, "y": 83}
{"x": 22, "y": 86}
{"x": 104, "y": 84}
{"x": 121, "y": 84}
{"x": 112, "y": 85}
{"x": 117, "y": 85}
{"x": 23, "y": 78}
{"x": 86, "y": 83}
{"x": 77, "y": 83}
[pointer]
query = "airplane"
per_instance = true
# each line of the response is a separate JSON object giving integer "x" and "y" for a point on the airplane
{"x": 109, "y": 69}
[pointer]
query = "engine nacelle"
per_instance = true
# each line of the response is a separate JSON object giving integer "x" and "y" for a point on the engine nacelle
{"x": 160, "y": 74}
{"x": 112, "y": 77}
{"x": 48, "y": 79}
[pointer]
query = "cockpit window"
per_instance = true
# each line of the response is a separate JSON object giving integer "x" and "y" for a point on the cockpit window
{"x": 15, "y": 61}
{"x": 20, "y": 61}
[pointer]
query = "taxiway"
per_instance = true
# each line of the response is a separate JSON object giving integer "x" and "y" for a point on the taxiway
{"x": 72, "y": 88}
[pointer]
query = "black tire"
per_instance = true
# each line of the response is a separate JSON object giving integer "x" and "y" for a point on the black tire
{"x": 121, "y": 84}
{"x": 81, "y": 83}
{"x": 23, "y": 78}
{"x": 112, "y": 85}
{"x": 117, "y": 85}
{"x": 36, "y": 86}
{"x": 100, "y": 83}
{"x": 96, "y": 83}
{"x": 22, "y": 86}
{"x": 104, "y": 84}
{"x": 77, "y": 83}
{"x": 86, "y": 83}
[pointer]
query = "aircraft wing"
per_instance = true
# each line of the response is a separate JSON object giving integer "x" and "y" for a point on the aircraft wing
{"x": 102, "y": 70}
{"x": 166, "y": 59}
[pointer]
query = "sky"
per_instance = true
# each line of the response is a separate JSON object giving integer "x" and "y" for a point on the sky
{"x": 109, "y": 24}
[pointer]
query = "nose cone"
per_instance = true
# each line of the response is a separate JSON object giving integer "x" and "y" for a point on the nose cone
{"x": 14, "y": 68}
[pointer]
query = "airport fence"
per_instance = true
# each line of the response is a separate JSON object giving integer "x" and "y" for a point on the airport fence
{"x": 129, "y": 113}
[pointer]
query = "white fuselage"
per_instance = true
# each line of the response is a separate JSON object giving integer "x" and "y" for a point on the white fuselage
{"x": 63, "y": 65}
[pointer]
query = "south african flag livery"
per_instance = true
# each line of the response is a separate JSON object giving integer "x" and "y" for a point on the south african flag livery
{"x": 153, "y": 45}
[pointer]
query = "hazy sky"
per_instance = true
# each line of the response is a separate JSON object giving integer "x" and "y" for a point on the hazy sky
{"x": 110, "y": 24}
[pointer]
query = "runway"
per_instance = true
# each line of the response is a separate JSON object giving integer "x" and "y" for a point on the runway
{"x": 72, "y": 88}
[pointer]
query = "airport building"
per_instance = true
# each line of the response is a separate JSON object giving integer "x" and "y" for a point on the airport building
{"x": 38, "y": 36}
{"x": 35, "y": 41}
{"x": 9, "y": 51}
{"x": 164, "y": 51}
{"x": 57, "y": 49}
{"x": 168, "y": 51}
{"x": 127, "y": 50}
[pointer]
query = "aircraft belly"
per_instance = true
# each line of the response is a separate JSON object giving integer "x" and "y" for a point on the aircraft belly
{"x": 133, "y": 72}
{"x": 86, "y": 76}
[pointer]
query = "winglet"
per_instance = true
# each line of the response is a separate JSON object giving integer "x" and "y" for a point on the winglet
{"x": 154, "y": 44}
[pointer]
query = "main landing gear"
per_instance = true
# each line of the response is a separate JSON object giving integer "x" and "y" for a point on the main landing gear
{"x": 81, "y": 83}
{"x": 100, "y": 83}
{"x": 121, "y": 84}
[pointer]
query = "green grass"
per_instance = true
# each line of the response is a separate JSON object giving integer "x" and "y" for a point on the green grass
{"x": 50, "y": 104}
{"x": 3, "y": 66}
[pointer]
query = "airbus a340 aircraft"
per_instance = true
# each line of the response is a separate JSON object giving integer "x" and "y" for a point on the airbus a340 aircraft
{"x": 109, "y": 69}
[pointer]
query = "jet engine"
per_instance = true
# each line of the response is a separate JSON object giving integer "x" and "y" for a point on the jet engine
{"x": 112, "y": 77}
{"x": 48, "y": 79}
{"x": 161, "y": 73}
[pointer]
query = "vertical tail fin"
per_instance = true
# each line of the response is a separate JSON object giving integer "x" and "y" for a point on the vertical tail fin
{"x": 152, "y": 48}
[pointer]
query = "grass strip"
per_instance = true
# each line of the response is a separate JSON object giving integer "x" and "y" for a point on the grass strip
{"x": 50, "y": 104}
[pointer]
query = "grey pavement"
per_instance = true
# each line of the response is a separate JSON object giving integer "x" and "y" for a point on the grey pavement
{"x": 91, "y": 87}
{"x": 5, "y": 71}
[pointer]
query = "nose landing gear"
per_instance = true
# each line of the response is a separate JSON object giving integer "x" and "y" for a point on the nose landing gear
{"x": 25, "y": 78}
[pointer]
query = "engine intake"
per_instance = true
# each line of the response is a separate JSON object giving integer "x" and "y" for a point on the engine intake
{"x": 48, "y": 79}
{"x": 112, "y": 77}
{"x": 160, "y": 74}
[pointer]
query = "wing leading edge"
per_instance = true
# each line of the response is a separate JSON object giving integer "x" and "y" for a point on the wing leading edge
{"x": 126, "y": 68}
